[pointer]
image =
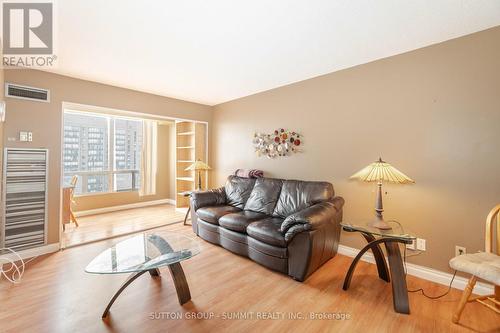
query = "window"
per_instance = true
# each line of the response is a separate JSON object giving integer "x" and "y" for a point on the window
{"x": 103, "y": 151}
{"x": 128, "y": 139}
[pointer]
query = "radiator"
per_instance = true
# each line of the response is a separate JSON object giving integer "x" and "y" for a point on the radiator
{"x": 24, "y": 223}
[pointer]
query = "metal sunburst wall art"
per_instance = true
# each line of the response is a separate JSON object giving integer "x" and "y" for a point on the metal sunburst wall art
{"x": 281, "y": 143}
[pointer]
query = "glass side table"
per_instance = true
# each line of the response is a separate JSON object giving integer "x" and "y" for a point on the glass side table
{"x": 390, "y": 239}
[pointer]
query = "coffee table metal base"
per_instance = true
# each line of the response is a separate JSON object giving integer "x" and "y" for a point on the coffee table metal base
{"x": 178, "y": 276}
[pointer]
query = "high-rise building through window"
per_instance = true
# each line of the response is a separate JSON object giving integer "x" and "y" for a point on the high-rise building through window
{"x": 128, "y": 139}
{"x": 103, "y": 151}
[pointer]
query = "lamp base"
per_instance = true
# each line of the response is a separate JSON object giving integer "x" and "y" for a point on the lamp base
{"x": 380, "y": 224}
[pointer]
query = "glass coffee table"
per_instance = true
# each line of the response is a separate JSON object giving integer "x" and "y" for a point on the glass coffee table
{"x": 147, "y": 252}
{"x": 390, "y": 238}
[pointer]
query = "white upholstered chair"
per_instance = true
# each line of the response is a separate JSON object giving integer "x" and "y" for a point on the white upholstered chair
{"x": 483, "y": 265}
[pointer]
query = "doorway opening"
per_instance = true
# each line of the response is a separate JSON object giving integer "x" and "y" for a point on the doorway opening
{"x": 123, "y": 172}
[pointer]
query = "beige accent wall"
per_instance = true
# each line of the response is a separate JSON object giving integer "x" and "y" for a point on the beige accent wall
{"x": 44, "y": 119}
{"x": 433, "y": 113}
{"x": 164, "y": 180}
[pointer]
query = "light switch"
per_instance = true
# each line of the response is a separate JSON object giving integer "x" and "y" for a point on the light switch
{"x": 23, "y": 136}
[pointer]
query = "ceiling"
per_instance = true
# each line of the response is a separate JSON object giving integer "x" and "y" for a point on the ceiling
{"x": 219, "y": 50}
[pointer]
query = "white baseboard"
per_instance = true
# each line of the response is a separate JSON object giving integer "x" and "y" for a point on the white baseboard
{"x": 171, "y": 201}
{"x": 123, "y": 207}
{"x": 30, "y": 253}
{"x": 425, "y": 273}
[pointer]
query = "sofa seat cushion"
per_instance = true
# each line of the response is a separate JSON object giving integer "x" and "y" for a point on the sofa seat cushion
{"x": 209, "y": 226}
{"x": 267, "y": 231}
{"x": 271, "y": 250}
{"x": 212, "y": 214}
{"x": 240, "y": 221}
{"x": 234, "y": 236}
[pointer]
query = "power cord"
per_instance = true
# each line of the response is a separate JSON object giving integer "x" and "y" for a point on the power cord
{"x": 421, "y": 290}
{"x": 15, "y": 271}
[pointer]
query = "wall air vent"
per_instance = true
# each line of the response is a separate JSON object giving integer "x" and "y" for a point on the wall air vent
{"x": 24, "y": 213}
{"x": 29, "y": 93}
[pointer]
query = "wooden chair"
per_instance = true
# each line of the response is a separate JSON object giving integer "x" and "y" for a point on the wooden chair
{"x": 483, "y": 265}
{"x": 73, "y": 182}
{"x": 68, "y": 201}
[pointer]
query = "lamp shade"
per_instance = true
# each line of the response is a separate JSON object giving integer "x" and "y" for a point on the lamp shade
{"x": 198, "y": 165}
{"x": 381, "y": 171}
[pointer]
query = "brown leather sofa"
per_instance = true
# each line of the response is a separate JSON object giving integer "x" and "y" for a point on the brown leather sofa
{"x": 289, "y": 226}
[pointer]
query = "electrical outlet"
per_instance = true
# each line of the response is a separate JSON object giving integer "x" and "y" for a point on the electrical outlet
{"x": 412, "y": 246}
{"x": 421, "y": 244}
{"x": 459, "y": 250}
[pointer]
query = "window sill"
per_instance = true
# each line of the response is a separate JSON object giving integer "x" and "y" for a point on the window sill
{"x": 102, "y": 193}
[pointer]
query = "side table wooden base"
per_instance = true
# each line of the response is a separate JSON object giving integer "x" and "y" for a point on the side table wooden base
{"x": 187, "y": 194}
{"x": 397, "y": 273}
{"x": 187, "y": 215}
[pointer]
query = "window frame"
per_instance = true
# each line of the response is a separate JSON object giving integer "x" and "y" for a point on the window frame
{"x": 112, "y": 171}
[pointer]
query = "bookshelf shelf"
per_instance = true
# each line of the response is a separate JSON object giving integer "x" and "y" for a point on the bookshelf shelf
{"x": 185, "y": 133}
{"x": 186, "y": 179}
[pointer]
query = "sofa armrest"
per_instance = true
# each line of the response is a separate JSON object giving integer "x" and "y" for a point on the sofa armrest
{"x": 338, "y": 202}
{"x": 213, "y": 197}
{"x": 311, "y": 218}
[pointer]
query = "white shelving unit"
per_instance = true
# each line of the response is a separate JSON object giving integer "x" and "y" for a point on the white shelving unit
{"x": 191, "y": 140}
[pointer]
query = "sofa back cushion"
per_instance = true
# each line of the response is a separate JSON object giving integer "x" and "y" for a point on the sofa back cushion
{"x": 238, "y": 190}
{"x": 264, "y": 195}
{"x": 297, "y": 195}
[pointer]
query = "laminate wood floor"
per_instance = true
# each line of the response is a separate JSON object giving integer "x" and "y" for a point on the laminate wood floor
{"x": 108, "y": 225}
{"x": 229, "y": 294}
